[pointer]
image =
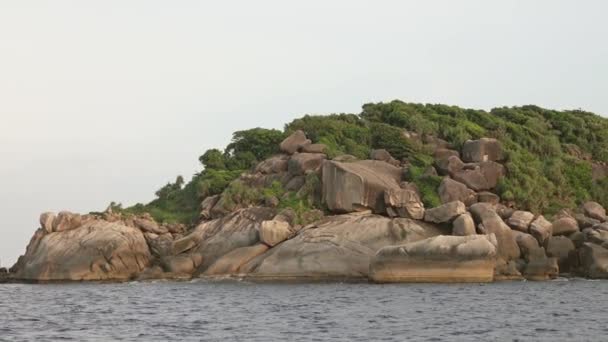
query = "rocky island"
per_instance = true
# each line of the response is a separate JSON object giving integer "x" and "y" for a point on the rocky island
{"x": 399, "y": 193}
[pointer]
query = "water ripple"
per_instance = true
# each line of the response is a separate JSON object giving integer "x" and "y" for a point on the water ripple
{"x": 242, "y": 311}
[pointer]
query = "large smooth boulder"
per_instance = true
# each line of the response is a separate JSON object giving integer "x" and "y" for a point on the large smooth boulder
{"x": 231, "y": 262}
{"x": 292, "y": 143}
{"x": 507, "y": 245}
{"x": 473, "y": 179}
{"x": 358, "y": 185}
{"x": 449, "y": 165}
{"x": 528, "y": 246}
{"x": 463, "y": 225}
{"x": 273, "y": 232}
{"x": 383, "y": 155}
{"x": 213, "y": 239}
{"x": 445, "y": 259}
{"x": 542, "y": 268}
{"x": 564, "y": 226}
{"x": 595, "y": 211}
{"x": 541, "y": 229}
{"x": 593, "y": 260}
{"x": 46, "y": 221}
{"x": 481, "y": 176}
{"x": 66, "y": 220}
{"x": 313, "y": 148}
{"x": 97, "y": 250}
{"x": 520, "y": 220}
{"x": 207, "y": 205}
{"x": 451, "y": 190}
{"x": 274, "y": 164}
{"x": 184, "y": 264}
{"x": 300, "y": 163}
{"x": 336, "y": 248}
{"x": 445, "y": 213}
{"x": 488, "y": 197}
{"x": 150, "y": 226}
{"x": 478, "y": 209}
{"x": 404, "y": 203}
{"x": 560, "y": 248}
{"x": 484, "y": 149}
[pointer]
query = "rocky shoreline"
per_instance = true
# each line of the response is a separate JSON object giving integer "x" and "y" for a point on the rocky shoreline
{"x": 373, "y": 227}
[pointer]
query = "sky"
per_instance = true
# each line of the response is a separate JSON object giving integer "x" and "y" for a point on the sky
{"x": 108, "y": 100}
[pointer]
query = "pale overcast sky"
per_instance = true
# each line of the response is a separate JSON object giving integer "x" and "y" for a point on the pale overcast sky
{"x": 109, "y": 100}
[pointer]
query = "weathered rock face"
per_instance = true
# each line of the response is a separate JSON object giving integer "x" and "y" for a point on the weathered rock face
{"x": 541, "y": 229}
{"x": 404, "y": 203}
{"x": 507, "y": 245}
{"x": 231, "y": 262}
{"x": 274, "y": 232}
{"x": 313, "y": 148}
{"x": 520, "y": 220}
{"x": 212, "y": 239}
{"x": 463, "y": 225}
{"x": 594, "y": 261}
{"x": 46, "y": 221}
{"x": 97, "y": 250}
{"x": 451, "y": 190}
{"x": 337, "y": 247}
{"x": 292, "y": 143}
{"x": 564, "y": 226}
{"x": 300, "y": 163}
{"x": 445, "y": 213}
{"x": 66, "y": 220}
{"x": 488, "y": 197}
{"x": 481, "y": 176}
{"x": 595, "y": 211}
{"x": 359, "y": 185}
{"x": 438, "y": 259}
{"x": 484, "y": 149}
{"x": 207, "y": 205}
{"x": 560, "y": 248}
{"x": 449, "y": 165}
{"x": 383, "y": 155}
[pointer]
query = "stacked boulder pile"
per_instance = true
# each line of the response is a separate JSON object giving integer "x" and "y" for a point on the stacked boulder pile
{"x": 374, "y": 227}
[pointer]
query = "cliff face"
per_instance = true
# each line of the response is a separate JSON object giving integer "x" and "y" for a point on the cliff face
{"x": 443, "y": 211}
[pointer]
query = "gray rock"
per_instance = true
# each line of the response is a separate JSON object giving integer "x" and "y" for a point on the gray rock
{"x": 405, "y": 203}
{"x": 488, "y": 197}
{"x": 313, "y": 148}
{"x": 97, "y": 250}
{"x": 541, "y": 229}
{"x": 449, "y": 165}
{"x": 66, "y": 220}
{"x": 451, "y": 190}
{"x": 274, "y": 232}
{"x": 507, "y": 245}
{"x": 272, "y": 165}
{"x": 336, "y": 247}
{"x": 484, "y": 149}
{"x": 521, "y": 220}
{"x": 560, "y": 247}
{"x": 300, "y": 163}
{"x": 594, "y": 260}
{"x": 445, "y": 213}
{"x": 46, "y": 221}
{"x": 357, "y": 186}
{"x": 463, "y": 225}
{"x": 292, "y": 143}
{"x": 437, "y": 259}
{"x": 565, "y": 226}
{"x": 595, "y": 210}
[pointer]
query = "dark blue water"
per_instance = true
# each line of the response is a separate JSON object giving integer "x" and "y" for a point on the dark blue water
{"x": 574, "y": 310}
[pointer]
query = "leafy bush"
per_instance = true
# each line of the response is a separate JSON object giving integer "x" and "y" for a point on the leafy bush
{"x": 548, "y": 155}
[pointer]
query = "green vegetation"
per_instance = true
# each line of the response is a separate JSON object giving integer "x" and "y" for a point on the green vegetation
{"x": 549, "y": 155}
